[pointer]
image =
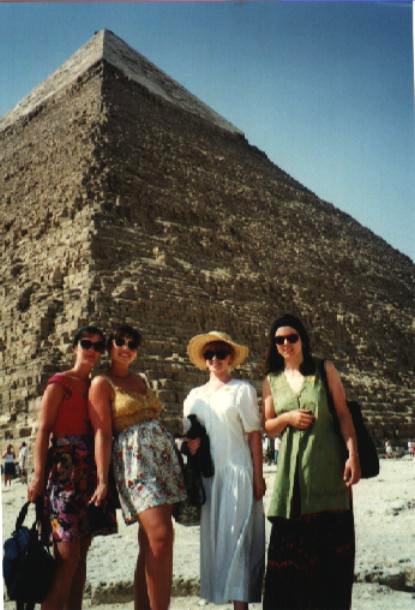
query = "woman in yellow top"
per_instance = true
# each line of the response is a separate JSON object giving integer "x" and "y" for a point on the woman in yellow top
{"x": 146, "y": 470}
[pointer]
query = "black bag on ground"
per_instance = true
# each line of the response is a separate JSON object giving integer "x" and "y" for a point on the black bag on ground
{"x": 369, "y": 460}
{"x": 28, "y": 565}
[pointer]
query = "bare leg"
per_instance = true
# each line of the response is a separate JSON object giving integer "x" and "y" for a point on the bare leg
{"x": 141, "y": 601}
{"x": 240, "y": 605}
{"x": 76, "y": 592}
{"x": 157, "y": 526}
{"x": 68, "y": 555}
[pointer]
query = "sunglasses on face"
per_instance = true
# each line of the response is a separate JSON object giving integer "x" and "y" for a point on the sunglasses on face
{"x": 219, "y": 353}
{"x": 290, "y": 338}
{"x": 131, "y": 344}
{"x": 97, "y": 346}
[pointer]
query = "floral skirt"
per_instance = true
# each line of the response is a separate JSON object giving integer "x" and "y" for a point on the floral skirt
{"x": 71, "y": 481}
{"x": 146, "y": 470}
{"x": 311, "y": 562}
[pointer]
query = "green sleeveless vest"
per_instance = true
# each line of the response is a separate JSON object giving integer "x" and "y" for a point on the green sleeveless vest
{"x": 315, "y": 454}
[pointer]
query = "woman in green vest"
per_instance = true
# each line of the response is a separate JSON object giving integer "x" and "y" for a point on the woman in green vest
{"x": 311, "y": 550}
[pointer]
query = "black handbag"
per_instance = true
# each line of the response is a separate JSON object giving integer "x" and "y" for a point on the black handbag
{"x": 369, "y": 460}
{"x": 28, "y": 565}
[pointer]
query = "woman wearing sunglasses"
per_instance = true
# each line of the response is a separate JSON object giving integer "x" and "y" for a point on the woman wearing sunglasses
{"x": 146, "y": 470}
{"x": 311, "y": 550}
{"x": 232, "y": 520}
{"x": 65, "y": 473}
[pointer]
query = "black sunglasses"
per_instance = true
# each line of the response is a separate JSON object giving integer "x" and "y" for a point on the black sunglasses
{"x": 120, "y": 341}
{"x": 219, "y": 353}
{"x": 290, "y": 338}
{"x": 98, "y": 346}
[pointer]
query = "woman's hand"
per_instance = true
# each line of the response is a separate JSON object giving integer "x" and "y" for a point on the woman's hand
{"x": 193, "y": 445}
{"x": 99, "y": 494}
{"x": 300, "y": 419}
{"x": 35, "y": 489}
{"x": 352, "y": 473}
{"x": 259, "y": 488}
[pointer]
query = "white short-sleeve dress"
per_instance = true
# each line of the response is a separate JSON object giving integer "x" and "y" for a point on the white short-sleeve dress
{"x": 232, "y": 528}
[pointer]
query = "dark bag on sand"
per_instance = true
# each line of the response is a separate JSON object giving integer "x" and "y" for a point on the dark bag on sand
{"x": 28, "y": 565}
{"x": 369, "y": 461}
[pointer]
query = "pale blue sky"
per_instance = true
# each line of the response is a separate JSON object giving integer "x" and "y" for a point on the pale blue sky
{"x": 325, "y": 89}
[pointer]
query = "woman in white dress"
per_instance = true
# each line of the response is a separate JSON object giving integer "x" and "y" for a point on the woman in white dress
{"x": 232, "y": 536}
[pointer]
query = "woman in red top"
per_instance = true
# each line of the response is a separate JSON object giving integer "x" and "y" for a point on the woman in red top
{"x": 66, "y": 474}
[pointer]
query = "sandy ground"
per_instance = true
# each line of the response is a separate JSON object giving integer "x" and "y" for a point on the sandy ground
{"x": 385, "y": 562}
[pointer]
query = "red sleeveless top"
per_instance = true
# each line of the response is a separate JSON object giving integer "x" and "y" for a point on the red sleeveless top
{"x": 72, "y": 418}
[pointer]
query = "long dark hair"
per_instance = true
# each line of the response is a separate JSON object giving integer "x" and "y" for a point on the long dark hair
{"x": 274, "y": 362}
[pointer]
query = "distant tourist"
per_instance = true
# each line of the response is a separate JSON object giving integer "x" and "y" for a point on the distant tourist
{"x": 66, "y": 475}
{"x": 311, "y": 550}
{"x": 9, "y": 466}
{"x": 147, "y": 473}
{"x": 23, "y": 457}
{"x": 268, "y": 444}
{"x": 277, "y": 446}
{"x": 388, "y": 449}
{"x": 232, "y": 537}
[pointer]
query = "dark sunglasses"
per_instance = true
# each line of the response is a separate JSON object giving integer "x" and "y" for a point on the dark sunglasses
{"x": 290, "y": 338}
{"x": 98, "y": 346}
{"x": 120, "y": 341}
{"x": 219, "y": 353}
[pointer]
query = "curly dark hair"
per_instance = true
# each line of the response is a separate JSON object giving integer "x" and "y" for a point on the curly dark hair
{"x": 124, "y": 330}
{"x": 274, "y": 362}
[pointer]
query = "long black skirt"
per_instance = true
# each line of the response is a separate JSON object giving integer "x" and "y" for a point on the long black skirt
{"x": 311, "y": 562}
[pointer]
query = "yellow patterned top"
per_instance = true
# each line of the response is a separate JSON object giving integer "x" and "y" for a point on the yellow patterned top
{"x": 130, "y": 408}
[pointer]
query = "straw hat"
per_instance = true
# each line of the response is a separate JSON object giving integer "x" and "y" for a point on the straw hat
{"x": 197, "y": 344}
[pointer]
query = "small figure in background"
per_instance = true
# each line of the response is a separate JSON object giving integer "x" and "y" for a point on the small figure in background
{"x": 9, "y": 467}
{"x": 277, "y": 445}
{"x": 23, "y": 456}
{"x": 388, "y": 449}
{"x": 269, "y": 450}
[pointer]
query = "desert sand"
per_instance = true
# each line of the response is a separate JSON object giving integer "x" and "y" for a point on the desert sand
{"x": 385, "y": 539}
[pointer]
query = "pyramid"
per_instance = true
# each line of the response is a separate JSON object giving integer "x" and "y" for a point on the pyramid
{"x": 125, "y": 198}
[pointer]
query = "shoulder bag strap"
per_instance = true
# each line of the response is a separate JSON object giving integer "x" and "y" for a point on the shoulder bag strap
{"x": 145, "y": 379}
{"x": 21, "y": 516}
{"x": 111, "y": 383}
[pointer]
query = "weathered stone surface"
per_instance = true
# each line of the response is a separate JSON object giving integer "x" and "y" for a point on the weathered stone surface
{"x": 121, "y": 203}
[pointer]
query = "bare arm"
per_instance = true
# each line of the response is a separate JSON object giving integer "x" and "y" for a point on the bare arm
{"x": 352, "y": 466}
{"x": 255, "y": 445}
{"x": 51, "y": 401}
{"x": 276, "y": 424}
{"x": 99, "y": 409}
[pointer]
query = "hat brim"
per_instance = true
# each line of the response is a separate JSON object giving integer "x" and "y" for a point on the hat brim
{"x": 196, "y": 346}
